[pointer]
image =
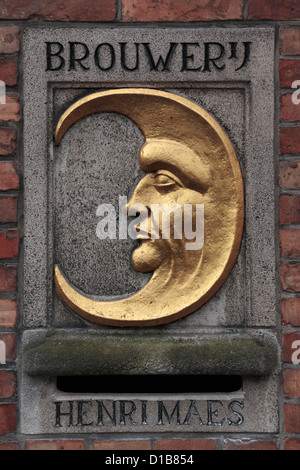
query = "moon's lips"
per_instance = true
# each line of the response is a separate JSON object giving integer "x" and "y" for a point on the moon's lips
{"x": 184, "y": 139}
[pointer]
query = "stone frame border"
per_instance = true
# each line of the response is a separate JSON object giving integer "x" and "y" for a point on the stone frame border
{"x": 259, "y": 150}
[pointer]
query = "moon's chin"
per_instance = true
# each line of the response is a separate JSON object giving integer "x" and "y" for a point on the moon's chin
{"x": 149, "y": 256}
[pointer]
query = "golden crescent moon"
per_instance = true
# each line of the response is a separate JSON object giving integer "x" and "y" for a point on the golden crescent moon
{"x": 184, "y": 138}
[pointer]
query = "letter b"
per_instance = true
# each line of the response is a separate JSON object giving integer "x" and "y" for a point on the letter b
{"x": 60, "y": 61}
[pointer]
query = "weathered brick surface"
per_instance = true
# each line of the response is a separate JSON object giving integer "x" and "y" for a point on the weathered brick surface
{"x": 8, "y": 139}
{"x": 290, "y": 40}
{"x": 8, "y": 71}
{"x": 9, "y": 178}
{"x": 9, "y": 39}
{"x": 249, "y": 444}
{"x": 292, "y": 418}
{"x": 289, "y": 140}
{"x": 63, "y": 10}
{"x": 44, "y": 444}
{"x": 290, "y": 311}
{"x": 7, "y": 384}
{"x": 122, "y": 445}
{"x": 7, "y": 418}
{"x": 186, "y": 444}
{"x": 182, "y": 10}
{"x": 9, "y": 243}
{"x": 273, "y": 9}
{"x": 290, "y": 277}
{"x": 9, "y": 446}
{"x": 289, "y": 243}
{"x": 11, "y": 110}
{"x": 289, "y": 111}
{"x": 288, "y": 346}
{"x": 289, "y": 209}
{"x": 288, "y": 72}
{"x": 292, "y": 444}
{"x": 8, "y": 209}
{"x": 289, "y": 175}
{"x": 8, "y": 278}
{"x": 291, "y": 383}
{"x": 8, "y": 313}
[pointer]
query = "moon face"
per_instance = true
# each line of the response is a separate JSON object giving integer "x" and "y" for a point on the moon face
{"x": 189, "y": 206}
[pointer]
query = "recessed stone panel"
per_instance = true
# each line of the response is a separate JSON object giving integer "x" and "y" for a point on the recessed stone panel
{"x": 229, "y": 73}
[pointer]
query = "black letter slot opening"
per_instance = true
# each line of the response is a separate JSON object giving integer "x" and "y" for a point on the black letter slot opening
{"x": 150, "y": 384}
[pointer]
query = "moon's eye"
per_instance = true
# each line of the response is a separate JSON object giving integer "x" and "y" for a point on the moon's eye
{"x": 165, "y": 179}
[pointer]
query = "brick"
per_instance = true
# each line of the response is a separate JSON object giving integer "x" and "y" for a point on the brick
{"x": 289, "y": 175}
{"x": 182, "y": 10}
{"x": 9, "y": 243}
{"x": 290, "y": 277}
{"x": 186, "y": 444}
{"x": 7, "y": 418}
{"x": 122, "y": 445}
{"x": 54, "y": 445}
{"x": 10, "y": 345}
{"x": 9, "y": 178}
{"x": 8, "y": 138}
{"x": 291, "y": 383}
{"x": 289, "y": 71}
{"x": 9, "y": 39}
{"x": 8, "y": 278}
{"x": 289, "y": 140}
{"x": 8, "y": 313}
{"x": 289, "y": 111}
{"x": 9, "y": 71}
{"x": 249, "y": 444}
{"x": 273, "y": 9}
{"x": 8, "y": 210}
{"x": 9, "y": 446}
{"x": 11, "y": 110}
{"x": 289, "y": 209}
{"x": 7, "y": 384}
{"x": 289, "y": 243}
{"x": 290, "y": 311}
{"x": 292, "y": 444}
{"x": 290, "y": 40}
{"x": 62, "y": 10}
{"x": 288, "y": 340}
{"x": 292, "y": 418}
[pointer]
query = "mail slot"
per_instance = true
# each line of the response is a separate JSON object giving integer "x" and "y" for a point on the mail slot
{"x": 145, "y": 384}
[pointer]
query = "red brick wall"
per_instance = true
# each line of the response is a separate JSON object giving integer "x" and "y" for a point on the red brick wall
{"x": 285, "y": 15}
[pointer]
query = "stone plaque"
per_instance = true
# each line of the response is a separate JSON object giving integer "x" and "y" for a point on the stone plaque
{"x": 228, "y": 73}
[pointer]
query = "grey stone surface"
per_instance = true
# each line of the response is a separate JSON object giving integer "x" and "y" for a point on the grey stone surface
{"x": 70, "y": 352}
{"x": 221, "y": 92}
{"x": 50, "y": 354}
{"x": 97, "y": 163}
{"x": 47, "y": 410}
{"x": 63, "y": 185}
{"x": 214, "y": 413}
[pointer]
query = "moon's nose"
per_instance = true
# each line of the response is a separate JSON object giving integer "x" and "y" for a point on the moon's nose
{"x": 140, "y": 197}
